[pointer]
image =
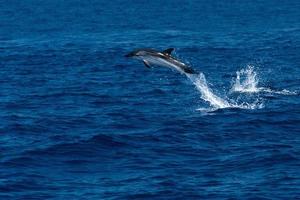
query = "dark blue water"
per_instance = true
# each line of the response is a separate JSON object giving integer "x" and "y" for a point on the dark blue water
{"x": 80, "y": 121}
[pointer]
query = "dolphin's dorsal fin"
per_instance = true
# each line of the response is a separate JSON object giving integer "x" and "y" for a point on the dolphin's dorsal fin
{"x": 146, "y": 64}
{"x": 168, "y": 51}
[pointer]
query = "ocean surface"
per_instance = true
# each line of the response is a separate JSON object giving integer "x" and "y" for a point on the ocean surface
{"x": 78, "y": 120}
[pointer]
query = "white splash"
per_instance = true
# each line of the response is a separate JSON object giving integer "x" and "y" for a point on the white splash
{"x": 215, "y": 101}
{"x": 207, "y": 95}
{"x": 246, "y": 81}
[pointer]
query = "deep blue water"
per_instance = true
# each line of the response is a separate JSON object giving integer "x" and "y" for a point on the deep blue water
{"x": 80, "y": 121}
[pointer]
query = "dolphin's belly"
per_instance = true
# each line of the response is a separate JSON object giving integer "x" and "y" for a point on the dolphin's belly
{"x": 164, "y": 62}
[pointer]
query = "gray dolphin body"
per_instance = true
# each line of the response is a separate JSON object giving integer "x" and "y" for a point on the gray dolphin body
{"x": 164, "y": 58}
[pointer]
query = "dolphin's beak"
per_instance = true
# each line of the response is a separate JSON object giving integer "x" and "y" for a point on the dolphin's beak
{"x": 131, "y": 54}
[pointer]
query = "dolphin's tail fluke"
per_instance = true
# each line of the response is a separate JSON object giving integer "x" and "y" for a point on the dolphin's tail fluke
{"x": 189, "y": 70}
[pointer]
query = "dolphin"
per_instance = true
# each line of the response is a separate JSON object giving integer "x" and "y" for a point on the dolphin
{"x": 163, "y": 58}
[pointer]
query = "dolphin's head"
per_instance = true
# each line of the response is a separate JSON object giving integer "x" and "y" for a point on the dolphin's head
{"x": 136, "y": 54}
{"x": 131, "y": 54}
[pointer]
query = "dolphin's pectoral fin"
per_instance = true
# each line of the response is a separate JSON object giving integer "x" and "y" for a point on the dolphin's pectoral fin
{"x": 146, "y": 64}
{"x": 168, "y": 51}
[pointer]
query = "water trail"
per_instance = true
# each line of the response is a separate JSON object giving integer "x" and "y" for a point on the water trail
{"x": 247, "y": 82}
{"x": 207, "y": 95}
{"x": 282, "y": 92}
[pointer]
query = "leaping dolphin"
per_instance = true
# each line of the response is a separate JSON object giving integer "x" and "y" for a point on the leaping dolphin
{"x": 164, "y": 58}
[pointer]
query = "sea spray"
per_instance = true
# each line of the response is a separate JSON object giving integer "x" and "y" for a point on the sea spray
{"x": 207, "y": 95}
{"x": 246, "y": 81}
{"x": 215, "y": 101}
